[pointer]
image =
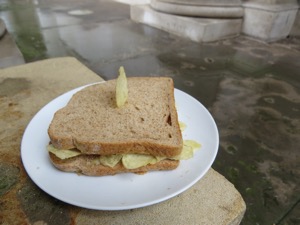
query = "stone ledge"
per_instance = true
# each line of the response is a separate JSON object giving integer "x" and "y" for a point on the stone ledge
{"x": 212, "y": 200}
{"x": 195, "y": 29}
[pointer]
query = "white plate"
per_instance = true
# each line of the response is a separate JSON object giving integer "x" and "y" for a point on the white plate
{"x": 122, "y": 191}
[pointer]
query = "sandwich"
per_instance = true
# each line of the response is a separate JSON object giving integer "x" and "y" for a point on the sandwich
{"x": 119, "y": 126}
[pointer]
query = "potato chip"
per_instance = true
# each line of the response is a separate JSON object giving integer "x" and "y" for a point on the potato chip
{"x": 189, "y": 147}
{"x": 133, "y": 161}
{"x": 182, "y": 126}
{"x": 63, "y": 154}
{"x": 195, "y": 145}
{"x": 186, "y": 153}
{"x": 121, "y": 88}
{"x": 110, "y": 160}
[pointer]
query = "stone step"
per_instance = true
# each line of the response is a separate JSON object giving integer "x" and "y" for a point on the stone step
{"x": 195, "y": 29}
{"x": 269, "y": 21}
{"x": 205, "y": 2}
{"x": 200, "y": 8}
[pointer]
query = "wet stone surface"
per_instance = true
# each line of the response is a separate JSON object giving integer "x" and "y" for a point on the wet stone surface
{"x": 9, "y": 176}
{"x": 10, "y": 86}
{"x": 258, "y": 149}
{"x": 34, "y": 200}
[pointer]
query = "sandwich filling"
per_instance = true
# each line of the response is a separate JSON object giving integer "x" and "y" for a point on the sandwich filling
{"x": 129, "y": 161}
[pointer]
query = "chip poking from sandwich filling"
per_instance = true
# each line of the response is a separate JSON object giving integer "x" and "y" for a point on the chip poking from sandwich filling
{"x": 121, "y": 88}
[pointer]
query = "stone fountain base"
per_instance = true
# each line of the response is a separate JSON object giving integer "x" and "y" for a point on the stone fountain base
{"x": 194, "y": 28}
{"x": 213, "y": 20}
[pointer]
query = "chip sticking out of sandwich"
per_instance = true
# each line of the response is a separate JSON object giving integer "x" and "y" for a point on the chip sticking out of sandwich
{"x": 119, "y": 126}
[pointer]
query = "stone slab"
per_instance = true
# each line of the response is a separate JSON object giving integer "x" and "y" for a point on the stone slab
{"x": 213, "y": 200}
{"x": 195, "y": 29}
{"x": 269, "y": 22}
{"x": 27, "y": 88}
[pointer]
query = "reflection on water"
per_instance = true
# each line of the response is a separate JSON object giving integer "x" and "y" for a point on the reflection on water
{"x": 23, "y": 21}
{"x": 29, "y": 23}
{"x": 44, "y": 29}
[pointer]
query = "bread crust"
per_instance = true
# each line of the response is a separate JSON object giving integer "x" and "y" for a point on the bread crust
{"x": 141, "y": 142}
{"x": 85, "y": 164}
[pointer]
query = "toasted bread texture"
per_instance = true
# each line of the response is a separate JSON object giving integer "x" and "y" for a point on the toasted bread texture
{"x": 87, "y": 165}
{"x": 147, "y": 124}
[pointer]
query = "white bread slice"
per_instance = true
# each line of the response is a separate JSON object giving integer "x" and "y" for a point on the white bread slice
{"x": 85, "y": 164}
{"x": 146, "y": 124}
